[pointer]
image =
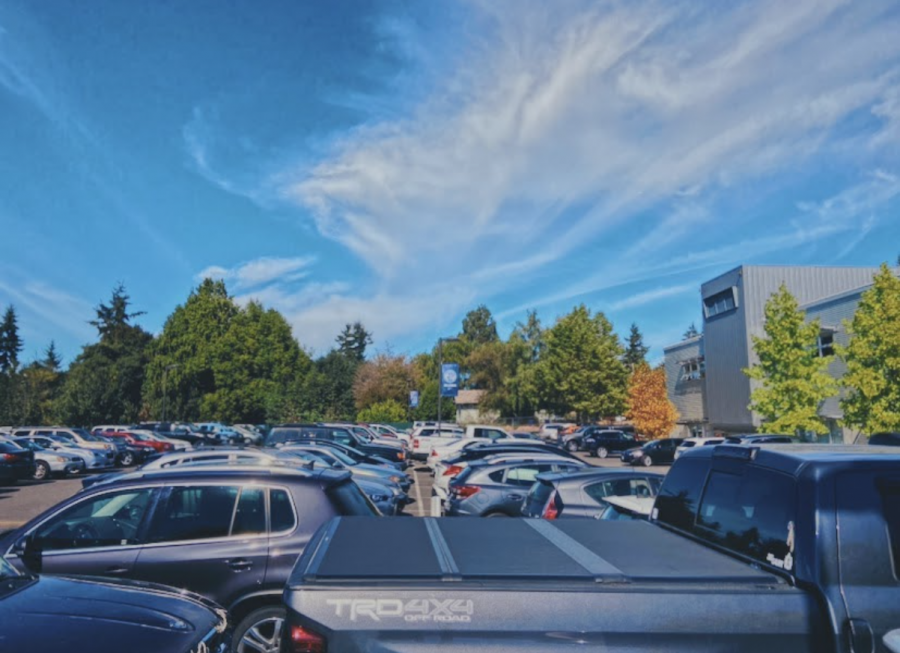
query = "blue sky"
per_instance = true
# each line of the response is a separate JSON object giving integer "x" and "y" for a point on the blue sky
{"x": 402, "y": 162}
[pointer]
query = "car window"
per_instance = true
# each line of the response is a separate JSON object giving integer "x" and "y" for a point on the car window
{"x": 350, "y": 501}
{"x": 282, "y": 517}
{"x": 753, "y": 513}
{"x": 890, "y": 505}
{"x": 620, "y": 487}
{"x": 525, "y": 476}
{"x": 677, "y": 501}
{"x": 194, "y": 513}
{"x": 497, "y": 475}
{"x": 110, "y": 519}
{"x": 250, "y": 514}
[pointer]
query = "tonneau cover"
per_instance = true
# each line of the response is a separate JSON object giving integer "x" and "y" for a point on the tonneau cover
{"x": 362, "y": 549}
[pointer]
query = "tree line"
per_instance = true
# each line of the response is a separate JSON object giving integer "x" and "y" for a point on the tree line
{"x": 216, "y": 360}
{"x": 793, "y": 371}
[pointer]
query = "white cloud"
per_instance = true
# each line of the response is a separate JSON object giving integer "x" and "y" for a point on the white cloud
{"x": 650, "y": 296}
{"x": 260, "y": 272}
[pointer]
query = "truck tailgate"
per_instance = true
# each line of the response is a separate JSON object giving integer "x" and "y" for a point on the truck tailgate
{"x": 515, "y": 584}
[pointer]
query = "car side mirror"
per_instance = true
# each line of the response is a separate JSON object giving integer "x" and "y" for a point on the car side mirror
{"x": 32, "y": 553}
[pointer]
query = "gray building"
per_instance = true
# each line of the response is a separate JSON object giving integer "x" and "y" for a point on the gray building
{"x": 685, "y": 372}
{"x": 733, "y": 312}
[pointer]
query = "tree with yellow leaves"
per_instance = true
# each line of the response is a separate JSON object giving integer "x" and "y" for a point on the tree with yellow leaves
{"x": 649, "y": 407}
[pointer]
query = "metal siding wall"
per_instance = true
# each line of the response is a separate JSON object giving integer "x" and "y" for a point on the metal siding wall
{"x": 686, "y": 395}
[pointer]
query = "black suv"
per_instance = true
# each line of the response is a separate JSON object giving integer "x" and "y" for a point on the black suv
{"x": 603, "y": 442}
{"x": 229, "y": 534}
{"x": 299, "y": 433}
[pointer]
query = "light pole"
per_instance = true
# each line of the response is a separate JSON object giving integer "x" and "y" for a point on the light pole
{"x": 166, "y": 394}
{"x": 441, "y": 342}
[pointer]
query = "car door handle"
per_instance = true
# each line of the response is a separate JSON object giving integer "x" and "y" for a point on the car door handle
{"x": 514, "y": 497}
{"x": 117, "y": 570}
{"x": 239, "y": 564}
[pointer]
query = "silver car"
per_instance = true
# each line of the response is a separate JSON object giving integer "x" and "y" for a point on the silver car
{"x": 49, "y": 462}
{"x": 93, "y": 459}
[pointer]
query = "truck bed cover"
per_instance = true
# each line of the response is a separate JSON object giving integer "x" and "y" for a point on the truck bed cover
{"x": 358, "y": 550}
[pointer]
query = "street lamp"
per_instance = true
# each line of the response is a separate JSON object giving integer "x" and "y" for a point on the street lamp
{"x": 441, "y": 342}
{"x": 166, "y": 394}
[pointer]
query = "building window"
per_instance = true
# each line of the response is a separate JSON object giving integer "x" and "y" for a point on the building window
{"x": 693, "y": 370}
{"x": 721, "y": 302}
{"x": 825, "y": 343}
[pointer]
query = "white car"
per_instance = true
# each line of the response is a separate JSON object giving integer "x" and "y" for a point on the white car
{"x": 441, "y": 453}
{"x": 690, "y": 443}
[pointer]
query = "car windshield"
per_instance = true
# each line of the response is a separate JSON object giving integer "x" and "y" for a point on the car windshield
{"x": 86, "y": 436}
{"x": 7, "y": 571}
{"x": 62, "y": 437}
{"x": 29, "y": 444}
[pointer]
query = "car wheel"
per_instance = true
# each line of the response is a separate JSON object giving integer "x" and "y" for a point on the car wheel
{"x": 496, "y": 514}
{"x": 127, "y": 459}
{"x": 41, "y": 471}
{"x": 260, "y": 631}
{"x": 647, "y": 461}
{"x": 602, "y": 452}
{"x": 572, "y": 446}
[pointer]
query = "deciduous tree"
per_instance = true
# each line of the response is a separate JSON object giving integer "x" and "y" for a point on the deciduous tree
{"x": 793, "y": 377}
{"x": 649, "y": 407}
{"x": 479, "y": 327}
{"x": 873, "y": 358}
{"x": 383, "y": 412}
{"x": 384, "y": 378}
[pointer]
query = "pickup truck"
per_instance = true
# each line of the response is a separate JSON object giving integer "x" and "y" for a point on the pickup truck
{"x": 428, "y": 439}
{"x": 773, "y": 548}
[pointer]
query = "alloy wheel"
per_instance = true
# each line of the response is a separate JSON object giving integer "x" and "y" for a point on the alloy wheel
{"x": 262, "y": 637}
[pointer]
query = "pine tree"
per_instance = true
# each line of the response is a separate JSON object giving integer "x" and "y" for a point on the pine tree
{"x": 793, "y": 377}
{"x": 691, "y": 332}
{"x": 635, "y": 351}
{"x": 10, "y": 342}
{"x": 353, "y": 340}
{"x": 52, "y": 360}
{"x": 873, "y": 358}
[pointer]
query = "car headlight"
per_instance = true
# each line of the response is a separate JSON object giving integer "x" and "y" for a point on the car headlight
{"x": 60, "y": 459}
{"x": 378, "y": 498}
{"x": 395, "y": 479}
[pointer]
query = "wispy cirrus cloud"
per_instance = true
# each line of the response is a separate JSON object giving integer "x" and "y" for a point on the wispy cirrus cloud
{"x": 261, "y": 271}
{"x": 651, "y": 296}
{"x": 562, "y": 126}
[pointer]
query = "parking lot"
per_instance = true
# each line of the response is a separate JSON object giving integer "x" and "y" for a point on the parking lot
{"x": 21, "y": 502}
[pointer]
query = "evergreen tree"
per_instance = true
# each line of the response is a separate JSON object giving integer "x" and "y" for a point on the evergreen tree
{"x": 691, "y": 332}
{"x": 873, "y": 358}
{"x": 10, "y": 342}
{"x": 52, "y": 360}
{"x": 635, "y": 351}
{"x": 353, "y": 340}
{"x": 479, "y": 327}
{"x": 793, "y": 378}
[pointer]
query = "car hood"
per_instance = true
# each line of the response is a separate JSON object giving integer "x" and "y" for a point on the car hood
{"x": 377, "y": 470}
{"x": 58, "y": 613}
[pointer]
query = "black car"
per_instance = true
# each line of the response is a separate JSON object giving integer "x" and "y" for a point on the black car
{"x": 126, "y": 453}
{"x": 477, "y": 452}
{"x": 16, "y": 463}
{"x": 46, "y": 614}
{"x": 655, "y": 452}
{"x": 603, "y": 442}
{"x": 584, "y": 493}
{"x": 485, "y": 489}
{"x": 885, "y": 439}
{"x": 355, "y": 454}
{"x": 287, "y": 433}
{"x": 230, "y": 534}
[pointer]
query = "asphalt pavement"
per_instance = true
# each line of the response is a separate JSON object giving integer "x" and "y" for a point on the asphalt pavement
{"x": 26, "y": 499}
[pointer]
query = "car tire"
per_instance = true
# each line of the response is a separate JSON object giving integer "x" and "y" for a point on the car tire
{"x": 572, "y": 446}
{"x": 647, "y": 461}
{"x": 127, "y": 459}
{"x": 602, "y": 452}
{"x": 260, "y": 631}
{"x": 41, "y": 471}
{"x": 496, "y": 514}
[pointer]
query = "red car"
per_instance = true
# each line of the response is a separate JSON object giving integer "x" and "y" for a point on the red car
{"x": 138, "y": 440}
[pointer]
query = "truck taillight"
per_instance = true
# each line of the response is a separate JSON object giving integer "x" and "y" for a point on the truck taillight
{"x": 304, "y": 640}
{"x": 415, "y": 443}
{"x": 401, "y": 455}
{"x": 452, "y": 470}
{"x": 434, "y": 452}
{"x": 466, "y": 491}
{"x": 550, "y": 510}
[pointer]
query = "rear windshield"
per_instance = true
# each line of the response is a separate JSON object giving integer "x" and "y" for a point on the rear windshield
{"x": 9, "y": 447}
{"x": 280, "y": 435}
{"x": 349, "y": 501}
{"x": 676, "y": 504}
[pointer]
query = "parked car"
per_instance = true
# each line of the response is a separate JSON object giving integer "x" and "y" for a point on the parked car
{"x": 627, "y": 508}
{"x": 655, "y": 452}
{"x": 760, "y": 438}
{"x": 354, "y": 454}
{"x": 497, "y": 489}
{"x": 73, "y": 437}
{"x": 299, "y": 433}
{"x": 340, "y": 460}
{"x": 230, "y": 534}
{"x": 690, "y": 443}
{"x": 143, "y": 439}
{"x": 16, "y": 463}
{"x": 48, "y": 614}
{"x": 885, "y": 439}
{"x": 127, "y": 453}
{"x": 93, "y": 459}
{"x": 48, "y": 462}
{"x": 452, "y": 449}
{"x": 783, "y": 549}
{"x": 586, "y": 493}
{"x": 605, "y": 442}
